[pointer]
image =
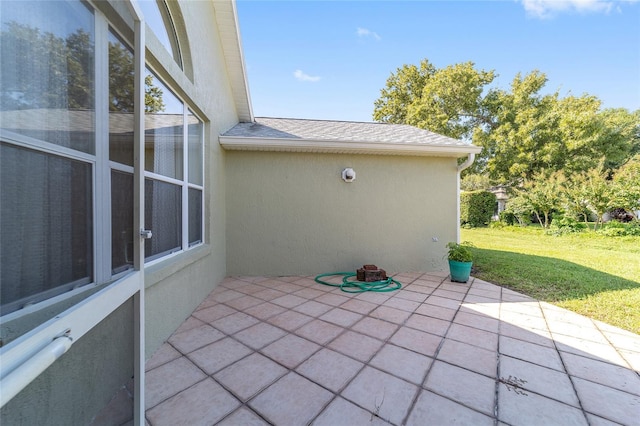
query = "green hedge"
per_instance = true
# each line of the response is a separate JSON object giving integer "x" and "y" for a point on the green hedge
{"x": 476, "y": 207}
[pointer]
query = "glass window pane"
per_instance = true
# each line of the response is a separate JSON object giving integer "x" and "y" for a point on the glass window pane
{"x": 47, "y": 69}
{"x": 164, "y": 124}
{"x": 157, "y": 16}
{"x": 121, "y": 96}
{"x": 195, "y": 216}
{"x": 195, "y": 137}
{"x": 121, "y": 221}
{"x": 46, "y": 240}
{"x": 163, "y": 216}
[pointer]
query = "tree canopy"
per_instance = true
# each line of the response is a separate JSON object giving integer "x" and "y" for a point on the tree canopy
{"x": 523, "y": 130}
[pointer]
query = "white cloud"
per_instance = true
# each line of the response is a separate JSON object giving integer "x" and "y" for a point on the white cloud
{"x": 363, "y": 32}
{"x": 549, "y": 8}
{"x": 302, "y": 76}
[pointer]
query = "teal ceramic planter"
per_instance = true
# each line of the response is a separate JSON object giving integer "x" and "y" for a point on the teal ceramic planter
{"x": 460, "y": 271}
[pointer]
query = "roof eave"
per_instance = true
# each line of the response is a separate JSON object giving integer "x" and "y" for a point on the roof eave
{"x": 241, "y": 143}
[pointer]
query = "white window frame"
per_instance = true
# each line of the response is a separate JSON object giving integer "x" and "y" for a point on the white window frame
{"x": 26, "y": 357}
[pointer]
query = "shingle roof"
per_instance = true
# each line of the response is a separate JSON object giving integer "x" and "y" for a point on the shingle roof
{"x": 289, "y": 134}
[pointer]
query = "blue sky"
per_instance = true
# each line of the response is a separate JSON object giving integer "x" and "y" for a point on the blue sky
{"x": 329, "y": 59}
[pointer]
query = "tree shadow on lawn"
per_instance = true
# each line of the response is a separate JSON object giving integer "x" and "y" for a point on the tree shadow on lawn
{"x": 590, "y": 292}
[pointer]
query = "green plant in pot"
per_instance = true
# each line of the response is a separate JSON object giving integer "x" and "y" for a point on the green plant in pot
{"x": 460, "y": 261}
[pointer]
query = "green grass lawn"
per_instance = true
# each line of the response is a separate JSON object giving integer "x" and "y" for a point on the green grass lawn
{"x": 591, "y": 274}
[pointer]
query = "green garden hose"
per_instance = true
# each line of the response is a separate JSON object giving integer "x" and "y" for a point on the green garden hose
{"x": 350, "y": 286}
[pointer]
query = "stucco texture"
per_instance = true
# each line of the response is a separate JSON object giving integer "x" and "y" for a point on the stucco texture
{"x": 291, "y": 213}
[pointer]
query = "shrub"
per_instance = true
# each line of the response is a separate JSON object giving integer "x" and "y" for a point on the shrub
{"x": 476, "y": 207}
{"x": 565, "y": 225}
{"x": 618, "y": 229}
{"x": 508, "y": 218}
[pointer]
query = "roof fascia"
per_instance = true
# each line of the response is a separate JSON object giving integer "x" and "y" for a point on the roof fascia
{"x": 226, "y": 15}
{"x": 240, "y": 143}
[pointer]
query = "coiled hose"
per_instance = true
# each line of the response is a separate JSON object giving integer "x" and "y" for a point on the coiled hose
{"x": 348, "y": 285}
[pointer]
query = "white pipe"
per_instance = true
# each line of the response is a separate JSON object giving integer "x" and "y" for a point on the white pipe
{"x": 468, "y": 162}
{"x": 19, "y": 378}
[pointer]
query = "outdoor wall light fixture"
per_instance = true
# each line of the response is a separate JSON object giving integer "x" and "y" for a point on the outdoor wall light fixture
{"x": 348, "y": 175}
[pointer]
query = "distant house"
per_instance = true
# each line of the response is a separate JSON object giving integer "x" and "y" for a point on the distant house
{"x": 134, "y": 178}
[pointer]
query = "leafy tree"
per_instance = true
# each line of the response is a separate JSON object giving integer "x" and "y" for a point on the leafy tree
{"x": 599, "y": 194}
{"x": 627, "y": 186}
{"x": 543, "y": 195}
{"x": 447, "y": 101}
{"x": 475, "y": 182}
{"x": 520, "y": 207}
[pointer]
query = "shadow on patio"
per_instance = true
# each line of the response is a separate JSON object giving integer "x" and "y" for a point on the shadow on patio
{"x": 289, "y": 351}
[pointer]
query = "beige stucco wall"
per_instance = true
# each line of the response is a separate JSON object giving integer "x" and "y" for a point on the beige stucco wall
{"x": 291, "y": 213}
{"x": 177, "y": 285}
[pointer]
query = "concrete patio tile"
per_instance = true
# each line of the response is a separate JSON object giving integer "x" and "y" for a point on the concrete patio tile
{"x": 341, "y": 317}
{"x": 163, "y": 355}
{"x": 599, "y": 421}
{"x": 234, "y": 322}
{"x": 259, "y": 335}
{"x": 402, "y": 304}
{"x": 393, "y": 315}
{"x": 621, "y": 407}
{"x": 318, "y": 331}
{"x": 463, "y": 386}
{"x": 470, "y": 357}
{"x": 443, "y": 302}
{"x": 250, "y": 375}
{"x": 417, "y": 341}
{"x": 292, "y": 400}
{"x": 219, "y": 355}
{"x": 428, "y": 324}
{"x": 589, "y": 349}
{"x": 425, "y": 290}
{"x": 189, "y": 323}
{"x": 489, "y": 310}
{"x": 473, "y": 336}
{"x": 225, "y": 296}
{"x": 244, "y": 302}
{"x": 528, "y": 408}
{"x": 601, "y": 372}
{"x": 203, "y": 404}
{"x": 449, "y": 294}
{"x": 375, "y": 298}
{"x": 525, "y": 308}
{"x": 471, "y": 298}
{"x": 332, "y": 299}
{"x": 309, "y": 293}
{"x": 411, "y": 295}
{"x": 436, "y": 312}
{"x": 343, "y": 413}
{"x": 433, "y": 409}
{"x": 169, "y": 379}
{"x": 304, "y": 281}
{"x": 211, "y": 314}
{"x": 190, "y": 340}
{"x": 539, "y": 337}
{"x": 525, "y": 321}
{"x": 628, "y": 341}
{"x": 632, "y": 358}
{"x": 382, "y": 394}
{"x": 264, "y": 310}
{"x": 455, "y": 286}
{"x": 289, "y": 320}
{"x": 375, "y": 328}
{"x": 587, "y": 333}
{"x": 289, "y": 301}
{"x": 243, "y": 416}
{"x": 541, "y": 355}
{"x": 268, "y": 294}
{"x": 482, "y": 322}
{"x": 330, "y": 369}
{"x": 290, "y": 350}
{"x": 541, "y": 380}
{"x": 283, "y": 286}
{"x": 359, "y": 306}
{"x": 514, "y": 296}
{"x": 402, "y": 363}
{"x": 313, "y": 308}
{"x": 356, "y": 345}
{"x": 251, "y": 289}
